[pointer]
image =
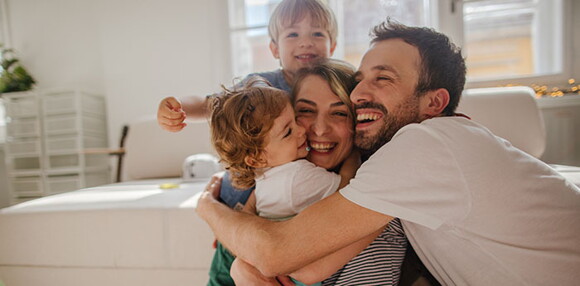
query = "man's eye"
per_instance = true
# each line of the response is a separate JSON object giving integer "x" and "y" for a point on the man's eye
{"x": 382, "y": 77}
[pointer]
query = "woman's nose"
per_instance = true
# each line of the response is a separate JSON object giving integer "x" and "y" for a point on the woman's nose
{"x": 319, "y": 127}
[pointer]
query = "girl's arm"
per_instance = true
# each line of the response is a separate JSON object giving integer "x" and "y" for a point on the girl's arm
{"x": 328, "y": 265}
{"x": 348, "y": 168}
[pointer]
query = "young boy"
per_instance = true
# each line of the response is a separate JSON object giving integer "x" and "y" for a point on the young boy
{"x": 301, "y": 32}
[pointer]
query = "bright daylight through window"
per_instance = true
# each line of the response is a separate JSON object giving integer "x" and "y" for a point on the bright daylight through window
{"x": 502, "y": 39}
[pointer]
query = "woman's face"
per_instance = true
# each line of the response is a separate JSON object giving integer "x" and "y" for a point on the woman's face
{"x": 328, "y": 123}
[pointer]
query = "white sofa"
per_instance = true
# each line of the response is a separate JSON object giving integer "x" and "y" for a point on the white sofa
{"x": 142, "y": 231}
{"x": 136, "y": 233}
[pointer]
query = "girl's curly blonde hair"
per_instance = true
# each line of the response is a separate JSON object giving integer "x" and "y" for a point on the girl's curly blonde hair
{"x": 240, "y": 121}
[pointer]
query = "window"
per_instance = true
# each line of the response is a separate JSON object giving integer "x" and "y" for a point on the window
{"x": 512, "y": 38}
{"x": 503, "y": 40}
{"x": 249, "y": 36}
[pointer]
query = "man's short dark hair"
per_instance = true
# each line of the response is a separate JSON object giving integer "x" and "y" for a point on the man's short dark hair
{"x": 442, "y": 65}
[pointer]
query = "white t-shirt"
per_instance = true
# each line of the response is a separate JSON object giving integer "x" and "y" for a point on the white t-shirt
{"x": 477, "y": 210}
{"x": 286, "y": 190}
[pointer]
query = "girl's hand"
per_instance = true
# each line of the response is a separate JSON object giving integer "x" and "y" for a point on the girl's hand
{"x": 170, "y": 114}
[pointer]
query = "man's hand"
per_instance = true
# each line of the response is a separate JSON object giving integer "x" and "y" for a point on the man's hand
{"x": 170, "y": 114}
{"x": 245, "y": 274}
{"x": 211, "y": 193}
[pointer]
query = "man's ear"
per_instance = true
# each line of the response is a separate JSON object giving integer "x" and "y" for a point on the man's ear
{"x": 434, "y": 102}
{"x": 274, "y": 49}
{"x": 254, "y": 162}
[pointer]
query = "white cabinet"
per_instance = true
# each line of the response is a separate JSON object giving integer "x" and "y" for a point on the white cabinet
{"x": 47, "y": 134}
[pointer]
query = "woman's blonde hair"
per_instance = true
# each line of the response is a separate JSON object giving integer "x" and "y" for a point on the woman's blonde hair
{"x": 289, "y": 12}
{"x": 338, "y": 74}
{"x": 240, "y": 121}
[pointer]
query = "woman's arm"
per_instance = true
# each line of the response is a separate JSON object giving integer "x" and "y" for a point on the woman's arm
{"x": 328, "y": 265}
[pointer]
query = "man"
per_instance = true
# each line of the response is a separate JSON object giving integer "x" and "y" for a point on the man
{"x": 476, "y": 210}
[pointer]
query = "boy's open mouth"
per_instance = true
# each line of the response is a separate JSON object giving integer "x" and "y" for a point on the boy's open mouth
{"x": 322, "y": 147}
{"x": 306, "y": 57}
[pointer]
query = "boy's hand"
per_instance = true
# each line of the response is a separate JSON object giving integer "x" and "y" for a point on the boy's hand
{"x": 170, "y": 115}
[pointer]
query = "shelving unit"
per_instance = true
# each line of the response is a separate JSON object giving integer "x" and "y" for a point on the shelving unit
{"x": 47, "y": 134}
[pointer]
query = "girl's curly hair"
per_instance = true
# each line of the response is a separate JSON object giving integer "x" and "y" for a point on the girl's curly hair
{"x": 240, "y": 121}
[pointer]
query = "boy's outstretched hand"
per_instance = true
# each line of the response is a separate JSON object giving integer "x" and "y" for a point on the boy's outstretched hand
{"x": 170, "y": 114}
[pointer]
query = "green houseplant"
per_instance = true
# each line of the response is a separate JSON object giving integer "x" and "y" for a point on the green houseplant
{"x": 14, "y": 76}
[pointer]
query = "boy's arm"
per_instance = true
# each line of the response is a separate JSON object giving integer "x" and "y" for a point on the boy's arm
{"x": 328, "y": 265}
{"x": 172, "y": 112}
{"x": 348, "y": 168}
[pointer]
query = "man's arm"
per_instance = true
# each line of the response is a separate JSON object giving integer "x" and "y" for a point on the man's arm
{"x": 323, "y": 268}
{"x": 277, "y": 248}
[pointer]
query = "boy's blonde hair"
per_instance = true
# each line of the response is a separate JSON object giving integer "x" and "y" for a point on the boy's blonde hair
{"x": 289, "y": 12}
{"x": 240, "y": 122}
{"x": 338, "y": 74}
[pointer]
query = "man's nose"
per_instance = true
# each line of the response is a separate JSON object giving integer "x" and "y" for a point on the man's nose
{"x": 361, "y": 93}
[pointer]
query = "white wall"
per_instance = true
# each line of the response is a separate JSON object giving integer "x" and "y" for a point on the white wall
{"x": 134, "y": 51}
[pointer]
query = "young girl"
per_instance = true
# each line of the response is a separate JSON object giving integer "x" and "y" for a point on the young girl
{"x": 258, "y": 140}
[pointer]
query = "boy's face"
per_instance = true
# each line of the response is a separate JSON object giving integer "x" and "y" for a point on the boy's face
{"x": 300, "y": 45}
{"x": 286, "y": 140}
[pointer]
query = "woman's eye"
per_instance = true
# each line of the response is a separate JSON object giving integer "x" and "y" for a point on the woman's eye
{"x": 288, "y": 133}
{"x": 383, "y": 78}
{"x": 340, "y": 113}
{"x": 304, "y": 111}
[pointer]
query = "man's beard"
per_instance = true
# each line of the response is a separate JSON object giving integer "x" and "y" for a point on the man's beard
{"x": 404, "y": 114}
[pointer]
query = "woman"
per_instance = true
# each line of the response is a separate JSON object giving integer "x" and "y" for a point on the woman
{"x": 323, "y": 108}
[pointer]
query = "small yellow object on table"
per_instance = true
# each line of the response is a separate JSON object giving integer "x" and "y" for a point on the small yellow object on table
{"x": 167, "y": 186}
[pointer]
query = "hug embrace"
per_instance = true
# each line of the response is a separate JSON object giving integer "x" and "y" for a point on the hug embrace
{"x": 475, "y": 209}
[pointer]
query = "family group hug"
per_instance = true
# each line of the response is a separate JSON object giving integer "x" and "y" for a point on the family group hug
{"x": 337, "y": 175}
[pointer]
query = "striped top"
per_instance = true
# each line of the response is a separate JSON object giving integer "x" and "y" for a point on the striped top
{"x": 378, "y": 264}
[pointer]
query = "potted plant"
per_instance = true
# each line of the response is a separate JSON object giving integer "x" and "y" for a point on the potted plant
{"x": 14, "y": 76}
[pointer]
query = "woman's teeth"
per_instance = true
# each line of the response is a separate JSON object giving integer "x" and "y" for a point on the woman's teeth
{"x": 322, "y": 147}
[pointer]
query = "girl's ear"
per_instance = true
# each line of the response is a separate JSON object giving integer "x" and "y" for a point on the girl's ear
{"x": 274, "y": 49}
{"x": 434, "y": 102}
{"x": 254, "y": 162}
